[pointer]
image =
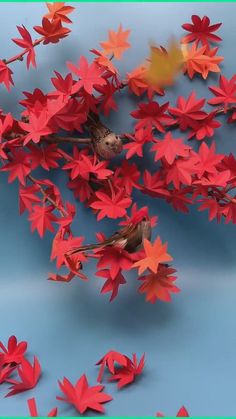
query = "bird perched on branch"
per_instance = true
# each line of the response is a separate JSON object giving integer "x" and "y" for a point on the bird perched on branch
{"x": 129, "y": 238}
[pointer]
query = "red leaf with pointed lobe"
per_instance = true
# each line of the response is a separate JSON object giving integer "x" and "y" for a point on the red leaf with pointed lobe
{"x": 26, "y": 42}
{"x": 109, "y": 360}
{"x": 90, "y": 75}
{"x": 42, "y": 218}
{"x": 127, "y": 374}
{"x": 82, "y": 396}
{"x": 14, "y": 352}
{"x": 112, "y": 206}
{"x": 52, "y": 31}
{"x": 201, "y": 31}
{"x": 29, "y": 375}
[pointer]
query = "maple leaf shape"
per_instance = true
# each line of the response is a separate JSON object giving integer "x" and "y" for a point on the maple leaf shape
{"x": 82, "y": 396}
{"x": 37, "y": 127}
{"x": 59, "y": 10}
{"x": 34, "y": 411}
{"x": 109, "y": 360}
{"x": 205, "y": 127}
{"x": 6, "y": 75}
{"x": 182, "y": 171}
{"x": 112, "y": 206}
{"x": 126, "y": 375}
{"x": 127, "y": 176}
{"x": 225, "y": 93}
{"x": 158, "y": 286}
{"x": 138, "y": 84}
{"x": 181, "y": 413}
{"x": 15, "y": 351}
{"x": 188, "y": 111}
{"x": 63, "y": 86}
{"x": 107, "y": 100}
{"x": 115, "y": 258}
{"x": 117, "y": 43}
{"x": 52, "y": 31}
{"x": 111, "y": 284}
{"x": 135, "y": 146}
{"x": 164, "y": 64}
{"x": 208, "y": 159}
{"x": 154, "y": 254}
{"x": 19, "y": 166}
{"x": 90, "y": 75}
{"x": 61, "y": 247}
{"x": 201, "y": 31}
{"x": 29, "y": 375}
{"x": 170, "y": 148}
{"x": 42, "y": 218}
{"x": 154, "y": 185}
{"x": 152, "y": 114}
{"x": 201, "y": 60}
{"x": 26, "y": 43}
{"x": 45, "y": 157}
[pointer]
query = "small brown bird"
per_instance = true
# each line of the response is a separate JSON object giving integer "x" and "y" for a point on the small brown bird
{"x": 129, "y": 238}
{"x": 105, "y": 142}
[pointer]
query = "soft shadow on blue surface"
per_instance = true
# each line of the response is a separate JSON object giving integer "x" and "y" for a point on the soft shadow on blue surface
{"x": 190, "y": 344}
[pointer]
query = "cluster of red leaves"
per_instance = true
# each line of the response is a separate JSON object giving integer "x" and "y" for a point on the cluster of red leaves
{"x": 13, "y": 363}
{"x": 183, "y": 175}
{"x": 82, "y": 396}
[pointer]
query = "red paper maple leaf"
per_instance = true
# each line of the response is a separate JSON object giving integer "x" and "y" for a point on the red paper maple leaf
{"x": 90, "y": 75}
{"x": 158, "y": 286}
{"x": 41, "y": 218}
{"x": 52, "y": 31}
{"x": 170, "y": 148}
{"x": 113, "y": 205}
{"x": 36, "y": 127}
{"x": 135, "y": 146}
{"x": 183, "y": 170}
{"x": 82, "y": 396}
{"x": 225, "y": 93}
{"x": 19, "y": 166}
{"x": 117, "y": 43}
{"x": 208, "y": 159}
{"x": 26, "y": 43}
{"x": 34, "y": 411}
{"x": 111, "y": 284}
{"x": 46, "y": 157}
{"x": 205, "y": 127}
{"x": 29, "y": 375}
{"x": 152, "y": 114}
{"x": 109, "y": 360}
{"x": 6, "y": 75}
{"x": 14, "y": 352}
{"x": 127, "y": 374}
{"x": 201, "y": 60}
{"x": 188, "y": 111}
{"x": 115, "y": 258}
{"x": 6, "y": 124}
{"x": 154, "y": 254}
{"x": 59, "y": 10}
{"x": 201, "y": 31}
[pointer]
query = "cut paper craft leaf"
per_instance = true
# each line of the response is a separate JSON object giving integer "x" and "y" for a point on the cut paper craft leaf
{"x": 154, "y": 255}
{"x": 165, "y": 64}
{"x": 82, "y": 396}
{"x": 201, "y": 31}
{"x": 14, "y": 352}
{"x": 127, "y": 374}
{"x": 109, "y": 360}
{"x": 29, "y": 375}
{"x": 117, "y": 43}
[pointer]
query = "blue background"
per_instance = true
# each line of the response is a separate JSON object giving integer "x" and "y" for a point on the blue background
{"x": 190, "y": 344}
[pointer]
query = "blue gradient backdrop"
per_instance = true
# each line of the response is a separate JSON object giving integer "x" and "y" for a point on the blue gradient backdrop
{"x": 190, "y": 344}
